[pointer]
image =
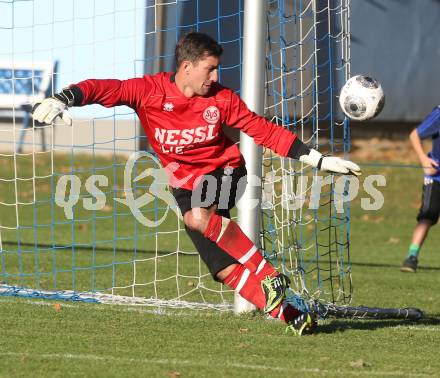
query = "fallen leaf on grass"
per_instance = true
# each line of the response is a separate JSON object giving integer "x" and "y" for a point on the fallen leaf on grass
{"x": 173, "y": 374}
{"x": 393, "y": 240}
{"x": 82, "y": 227}
{"x": 415, "y": 204}
{"x": 242, "y": 346}
{"x": 359, "y": 364}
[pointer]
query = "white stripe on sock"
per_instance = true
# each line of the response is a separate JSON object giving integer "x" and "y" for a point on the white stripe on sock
{"x": 248, "y": 255}
{"x": 225, "y": 222}
{"x": 261, "y": 266}
{"x": 243, "y": 280}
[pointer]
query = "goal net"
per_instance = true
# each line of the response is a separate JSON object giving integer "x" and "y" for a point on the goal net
{"x": 85, "y": 213}
{"x": 305, "y": 221}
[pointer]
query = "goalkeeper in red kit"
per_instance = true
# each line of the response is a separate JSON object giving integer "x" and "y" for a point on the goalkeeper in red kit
{"x": 182, "y": 114}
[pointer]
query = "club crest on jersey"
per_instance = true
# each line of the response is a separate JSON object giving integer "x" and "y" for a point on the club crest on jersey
{"x": 211, "y": 114}
{"x": 168, "y": 107}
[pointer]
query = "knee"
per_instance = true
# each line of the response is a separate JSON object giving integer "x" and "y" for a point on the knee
{"x": 196, "y": 219}
{"x": 430, "y": 218}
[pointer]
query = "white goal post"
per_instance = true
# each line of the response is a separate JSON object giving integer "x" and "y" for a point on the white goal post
{"x": 253, "y": 83}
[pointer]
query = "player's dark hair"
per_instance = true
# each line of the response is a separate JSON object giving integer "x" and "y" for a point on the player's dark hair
{"x": 195, "y": 46}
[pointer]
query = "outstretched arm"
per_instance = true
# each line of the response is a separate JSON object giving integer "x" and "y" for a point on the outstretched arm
{"x": 55, "y": 106}
{"x": 330, "y": 163}
{"x": 282, "y": 141}
{"x": 107, "y": 92}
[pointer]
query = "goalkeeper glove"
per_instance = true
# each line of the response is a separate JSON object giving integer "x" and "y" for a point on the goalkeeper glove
{"x": 55, "y": 106}
{"x": 330, "y": 163}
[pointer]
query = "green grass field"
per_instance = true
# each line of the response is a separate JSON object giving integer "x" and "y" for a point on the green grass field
{"x": 53, "y": 338}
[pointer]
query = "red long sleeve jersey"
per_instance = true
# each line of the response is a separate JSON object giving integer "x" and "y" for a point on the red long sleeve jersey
{"x": 188, "y": 131}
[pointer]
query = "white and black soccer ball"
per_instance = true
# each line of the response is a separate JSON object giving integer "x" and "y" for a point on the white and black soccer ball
{"x": 361, "y": 98}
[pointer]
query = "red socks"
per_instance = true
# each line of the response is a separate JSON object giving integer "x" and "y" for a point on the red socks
{"x": 228, "y": 236}
{"x": 248, "y": 285}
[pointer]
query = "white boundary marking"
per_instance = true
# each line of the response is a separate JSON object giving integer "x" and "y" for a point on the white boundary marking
{"x": 169, "y": 312}
{"x": 210, "y": 365}
{"x": 158, "y": 311}
{"x": 147, "y": 361}
{"x": 415, "y": 328}
{"x": 6, "y": 290}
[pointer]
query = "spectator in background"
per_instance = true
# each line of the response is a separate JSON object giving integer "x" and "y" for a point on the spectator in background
{"x": 430, "y": 208}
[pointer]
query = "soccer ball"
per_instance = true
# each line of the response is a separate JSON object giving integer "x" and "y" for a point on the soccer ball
{"x": 361, "y": 98}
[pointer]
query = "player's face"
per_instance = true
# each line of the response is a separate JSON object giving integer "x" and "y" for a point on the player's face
{"x": 202, "y": 74}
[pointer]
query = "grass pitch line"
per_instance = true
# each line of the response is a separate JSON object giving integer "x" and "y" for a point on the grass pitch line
{"x": 97, "y": 297}
{"x": 175, "y": 362}
{"x": 416, "y": 328}
{"x": 38, "y": 302}
{"x": 115, "y": 307}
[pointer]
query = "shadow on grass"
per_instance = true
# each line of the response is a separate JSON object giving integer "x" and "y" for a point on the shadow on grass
{"x": 101, "y": 248}
{"x": 41, "y": 246}
{"x": 342, "y": 325}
